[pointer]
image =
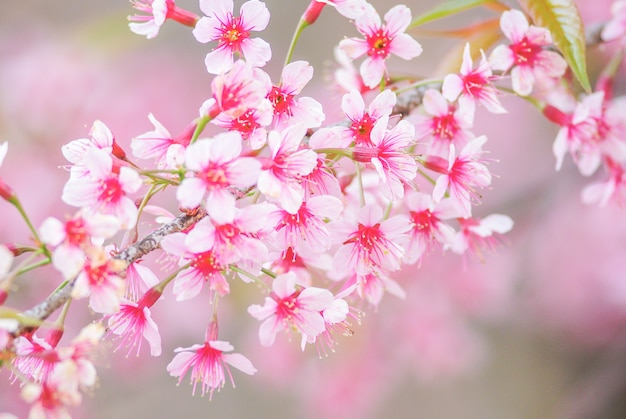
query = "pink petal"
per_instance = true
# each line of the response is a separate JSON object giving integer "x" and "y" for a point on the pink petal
{"x": 240, "y": 362}
{"x": 256, "y": 51}
{"x": 352, "y": 105}
{"x": 397, "y": 19}
{"x": 405, "y": 47}
{"x": 255, "y": 15}
{"x": 372, "y": 71}
{"x": 514, "y": 25}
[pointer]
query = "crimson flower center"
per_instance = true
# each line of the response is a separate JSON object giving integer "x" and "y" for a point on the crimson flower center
{"x": 526, "y": 53}
{"x": 206, "y": 263}
{"x": 423, "y": 220}
{"x": 378, "y": 44}
{"x": 361, "y": 130}
{"x": 110, "y": 190}
{"x": 445, "y": 127}
{"x": 76, "y": 232}
{"x": 233, "y": 34}
{"x": 366, "y": 237}
{"x": 281, "y": 100}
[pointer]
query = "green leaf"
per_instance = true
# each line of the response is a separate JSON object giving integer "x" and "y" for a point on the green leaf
{"x": 562, "y": 19}
{"x": 446, "y": 9}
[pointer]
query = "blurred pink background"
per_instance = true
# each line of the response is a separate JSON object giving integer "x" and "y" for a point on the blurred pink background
{"x": 536, "y": 331}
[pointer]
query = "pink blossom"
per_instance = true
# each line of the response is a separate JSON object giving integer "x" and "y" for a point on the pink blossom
{"x": 242, "y": 88}
{"x": 525, "y": 55}
{"x": 306, "y": 230}
{"x": 233, "y": 33}
{"x": 616, "y": 27}
{"x": 381, "y": 41}
{"x": 159, "y": 144}
{"x": 281, "y": 176}
{"x": 206, "y": 265}
{"x": 218, "y": 169}
{"x": 393, "y": 164}
{"x": 428, "y": 224}
{"x": 372, "y": 286}
{"x": 100, "y": 137}
{"x": 156, "y": 13}
{"x": 288, "y": 109}
{"x": 611, "y": 189}
{"x": 36, "y": 357}
{"x": 369, "y": 243}
{"x": 346, "y": 76}
{"x": 209, "y": 363}
{"x": 477, "y": 233}
{"x": 363, "y": 120}
{"x": 139, "y": 278}
{"x": 444, "y": 125}
{"x": 98, "y": 280}
{"x": 51, "y": 399}
{"x": 105, "y": 190}
{"x": 462, "y": 174}
{"x": 250, "y": 124}
{"x": 472, "y": 86}
{"x": 134, "y": 321}
{"x": 289, "y": 307}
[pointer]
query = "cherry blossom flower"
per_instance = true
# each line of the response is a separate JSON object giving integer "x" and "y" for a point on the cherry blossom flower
{"x": 615, "y": 28}
{"x": 156, "y": 13}
{"x": 525, "y": 55}
{"x": 218, "y": 168}
{"x": 462, "y": 174}
{"x": 611, "y": 189}
{"x": 233, "y": 33}
{"x": 105, "y": 190}
{"x": 98, "y": 280}
{"x": 476, "y": 233}
{"x": 363, "y": 120}
{"x": 206, "y": 265}
{"x": 372, "y": 286}
{"x": 428, "y": 224}
{"x": 51, "y": 398}
{"x": 242, "y": 88}
{"x": 444, "y": 125}
{"x": 36, "y": 357}
{"x": 288, "y": 109}
{"x": 159, "y": 144}
{"x": 281, "y": 175}
{"x": 134, "y": 321}
{"x": 381, "y": 41}
{"x": 346, "y": 76}
{"x": 472, "y": 86}
{"x": 208, "y": 363}
{"x": 305, "y": 231}
{"x": 288, "y": 307}
{"x": 394, "y": 166}
{"x": 139, "y": 278}
{"x": 251, "y": 124}
{"x": 370, "y": 243}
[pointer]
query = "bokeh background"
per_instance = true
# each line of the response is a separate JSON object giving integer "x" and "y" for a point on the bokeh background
{"x": 535, "y": 330}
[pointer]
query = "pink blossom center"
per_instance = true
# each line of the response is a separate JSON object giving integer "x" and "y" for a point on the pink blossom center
{"x": 361, "y": 130}
{"x": 378, "y": 43}
{"x": 423, "y": 221}
{"x": 206, "y": 263}
{"x": 97, "y": 274}
{"x": 287, "y": 307}
{"x": 366, "y": 237}
{"x": 281, "y": 100}
{"x": 76, "y": 232}
{"x": 214, "y": 177}
{"x": 445, "y": 127}
{"x": 473, "y": 84}
{"x": 526, "y": 53}
{"x": 245, "y": 124}
{"x": 110, "y": 190}
{"x": 232, "y": 33}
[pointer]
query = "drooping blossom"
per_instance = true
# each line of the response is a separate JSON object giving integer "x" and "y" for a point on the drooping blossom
{"x": 615, "y": 28}
{"x": 36, "y": 357}
{"x": 462, "y": 174}
{"x": 369, "y": 243}
{"x": 289, "y": 109}
{"x": 443, "y": 124}
{"x": 526, "y": 56}
{"x": 209, "y": 363}
{"x": 156, "y": 13}
{"x": 389, "y": 156}
{"x": 372, "y": 286}
{"x": 236, "y": 91}
{"x": 232, "y": 33}
{"x": 167, "y": 151}
{"x": 133, "y": 323}
{"x": 291, "y": 308}
{"x": 472, "y": 86}
{"x": 381, "y": 40}
{"x": 363, "y": 120}
{"x": 206, "y": 266}
{"x": 480, "y": 233}
{"x": 428, "y": 226}
{"x": 106, "y": 188}
{"x": 305, "y": 231}
{"x": 281, "y": 175}
{"x": 139, "y": 278}
{"x": 218, "y": 168}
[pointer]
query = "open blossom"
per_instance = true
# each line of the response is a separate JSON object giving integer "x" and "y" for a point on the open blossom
{"x": 389, "y": 156}
{"x": 156, "y": 13}
{"x": 208, "y": 363}
{"x": 133, "y": 322}
{"x": 251, "y": 124}
{"x": 462, "y": 174}
{"x": 472, "y": 86}
{"x": 167, "y": 151}
{"x": 443, "y": 124}
{"x": 615, "y": 28}
{"x": 105, "y": 190}
{"x": 525, "y": 55}
{"x": 281, "y": 175}
{"x": 218, "y": 168}
{"x": 289, "y": 109}
{"x": 369, "y": 243}
{"x": 476, "y": 233}
{"x": 51, "y": 398}
{"x": 289, "y": 307}
{"x": 380, "y": 41}
{"x": 611, "y": 189}
{"x": 233, "y": 33}
{"x": 99, "y": 281}
{"x": 362, "y": 119}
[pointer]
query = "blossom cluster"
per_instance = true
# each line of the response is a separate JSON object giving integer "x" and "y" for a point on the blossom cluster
{"x": 318, "y": 216}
